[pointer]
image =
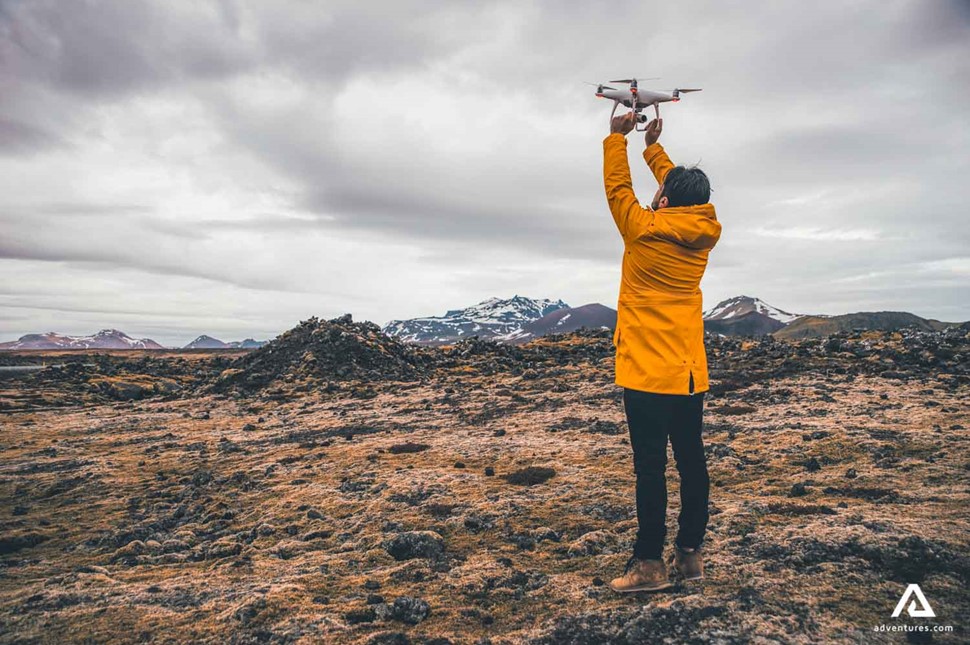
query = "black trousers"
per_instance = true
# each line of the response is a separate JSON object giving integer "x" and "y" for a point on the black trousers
{"x": 652, "y": 419}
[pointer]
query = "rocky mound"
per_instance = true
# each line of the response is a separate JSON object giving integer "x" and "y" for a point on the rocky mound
{"x": 903, "y": 354}
{"x": 38, "y": 380}
{"x": 328, "y": 350}
{"x": 491, "y": 357}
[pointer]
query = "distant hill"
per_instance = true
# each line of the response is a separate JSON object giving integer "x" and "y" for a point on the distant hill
{"x": 561, "y": 321}
{"x": 746, "y": 316}
{"x": 249, "y": 343}
{"x": 206, "y": 342}
{"x": 816, "y": 326}
{"x": 104, "y": 339}
{"x": 488, "y": 319}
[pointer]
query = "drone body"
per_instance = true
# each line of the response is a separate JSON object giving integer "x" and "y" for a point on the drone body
{"x": 637, "y": 99}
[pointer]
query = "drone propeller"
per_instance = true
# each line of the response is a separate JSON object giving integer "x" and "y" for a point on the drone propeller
{"x": 600, "y": 85}
{"x": 633, "y": 80}
{"x": 693, "y": 90}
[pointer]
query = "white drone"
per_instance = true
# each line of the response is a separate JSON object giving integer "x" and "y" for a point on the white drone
{"x": 634, "y": 97}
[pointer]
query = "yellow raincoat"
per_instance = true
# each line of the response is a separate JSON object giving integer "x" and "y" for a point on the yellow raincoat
{"x": 659, "y": 335}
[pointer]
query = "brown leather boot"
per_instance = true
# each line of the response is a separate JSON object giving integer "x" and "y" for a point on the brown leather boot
{"x": 642, "y": 575}
{"x": 688, "y": 563}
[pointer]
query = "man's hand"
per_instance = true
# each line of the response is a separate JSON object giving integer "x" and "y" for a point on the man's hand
{"x": 652, "y": 133}
{"x": 623, "y": 124}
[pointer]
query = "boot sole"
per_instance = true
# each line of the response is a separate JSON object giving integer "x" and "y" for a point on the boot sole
{"x": 681, "y": 576}
{"x": 666, "y": 585}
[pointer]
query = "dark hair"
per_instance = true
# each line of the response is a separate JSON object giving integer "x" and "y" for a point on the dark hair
{"x": 686, "y": 186}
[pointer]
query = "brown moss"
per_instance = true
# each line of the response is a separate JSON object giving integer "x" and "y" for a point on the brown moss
{"x": 782, "y": 508}
{"x": 734, "y": 410}
{"x": 402, "y": 448}
{"x": 530, "y": 476}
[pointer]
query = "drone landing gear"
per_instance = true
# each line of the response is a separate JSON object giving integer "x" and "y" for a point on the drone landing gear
{"x": 640, "y": 118}
{"x": 643, "y": 119}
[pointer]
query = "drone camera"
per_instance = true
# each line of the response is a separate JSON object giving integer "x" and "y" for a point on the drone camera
{"x": 641, "y": 118}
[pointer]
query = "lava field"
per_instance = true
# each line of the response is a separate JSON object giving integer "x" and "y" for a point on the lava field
{"x": 337, "y": 486}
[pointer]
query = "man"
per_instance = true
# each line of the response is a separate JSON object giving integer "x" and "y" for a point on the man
{"x": 660, "y": 358}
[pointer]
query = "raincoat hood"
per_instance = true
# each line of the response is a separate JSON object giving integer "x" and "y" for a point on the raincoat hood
{"x": 695, "y": 227}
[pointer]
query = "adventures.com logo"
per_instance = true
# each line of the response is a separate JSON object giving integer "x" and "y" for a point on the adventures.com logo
{"x": 914, "y": 603}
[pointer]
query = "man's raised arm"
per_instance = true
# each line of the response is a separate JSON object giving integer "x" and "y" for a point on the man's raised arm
{"x": 654, "y": 154}
{"x": 629, "y": 216}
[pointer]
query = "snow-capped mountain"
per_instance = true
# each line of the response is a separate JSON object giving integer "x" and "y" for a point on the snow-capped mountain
{"x": 104, "y": 339}
{"x": 562, "y": 321}
{"x": 744, "y": 315}
{"x": 742, "y": 305}
{"x": 488, "y": 319}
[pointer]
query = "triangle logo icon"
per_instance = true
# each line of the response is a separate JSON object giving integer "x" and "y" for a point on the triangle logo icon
{"x": 925, "y": 611}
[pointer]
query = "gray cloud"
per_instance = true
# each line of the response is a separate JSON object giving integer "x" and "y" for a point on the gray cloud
{"x": 229, "y": 141}
{"x": 115, "y": 47}
{"x": 18, "y": 139}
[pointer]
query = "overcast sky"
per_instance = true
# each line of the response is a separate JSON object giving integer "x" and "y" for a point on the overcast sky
{"x": 231, "y": 168}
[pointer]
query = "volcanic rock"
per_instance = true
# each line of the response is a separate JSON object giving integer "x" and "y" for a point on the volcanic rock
{"x": 334, "y": 350}
{"x": 415, "y": 544}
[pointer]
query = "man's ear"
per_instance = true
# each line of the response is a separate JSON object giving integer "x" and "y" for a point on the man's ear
{"x": 663, "y": 202}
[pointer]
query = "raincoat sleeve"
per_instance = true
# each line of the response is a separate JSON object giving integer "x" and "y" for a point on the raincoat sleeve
{"x": 660, "y": 164}
{"x": 630, "y": 217}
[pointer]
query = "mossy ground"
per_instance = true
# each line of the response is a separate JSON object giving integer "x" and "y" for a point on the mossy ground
{"x": 221, "y": 519}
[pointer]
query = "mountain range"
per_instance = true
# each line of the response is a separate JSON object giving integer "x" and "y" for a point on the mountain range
{"x": 747, "y": 316}
{"x": 737, "y": 316}
{"x": 115, "y": 339}
{"x": 104, "y": 339}
{"x": 208, "y": 342}
{"x": 520, "y": 319}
